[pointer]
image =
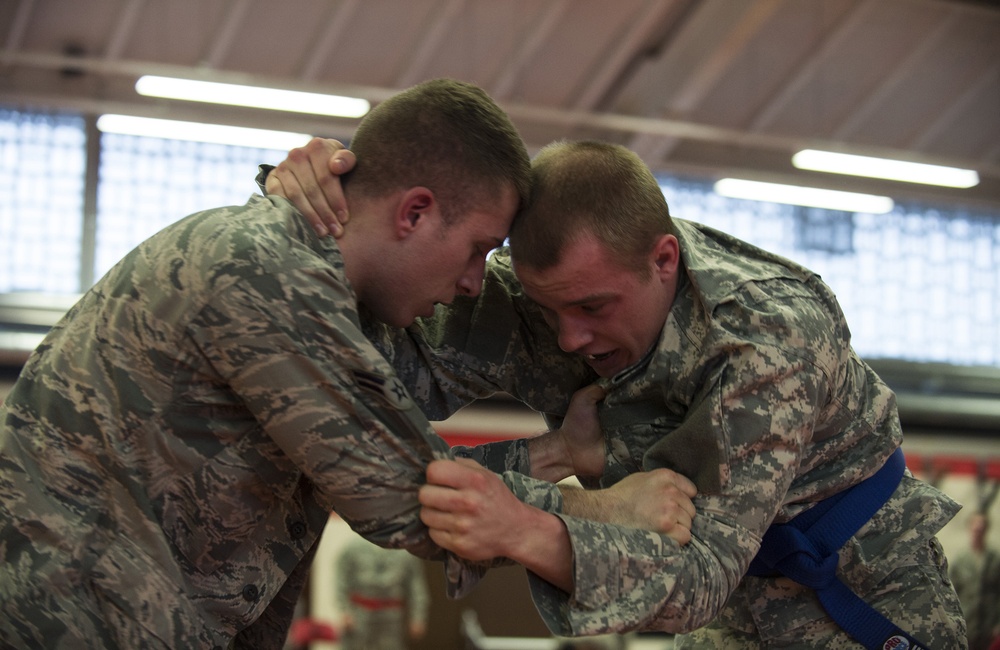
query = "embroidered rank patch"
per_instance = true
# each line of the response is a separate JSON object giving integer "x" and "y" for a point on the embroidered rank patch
{"x": 390, "y": 391}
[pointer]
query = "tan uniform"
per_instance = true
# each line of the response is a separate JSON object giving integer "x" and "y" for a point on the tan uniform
{"x": 385, "y": 593}
{"x": 172, "y": 450}
{"x": 754, "y": 392}
{"x": 977, "y": 582}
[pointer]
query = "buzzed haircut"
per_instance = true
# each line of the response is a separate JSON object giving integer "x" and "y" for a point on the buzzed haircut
{"x": 446, "y": 135}
{"x": 593, "y": 187}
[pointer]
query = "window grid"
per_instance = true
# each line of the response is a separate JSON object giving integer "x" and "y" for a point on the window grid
{"x": 917, "y": 284}
{"x": 148, "y": 183}
{"x": 41, "y": 215}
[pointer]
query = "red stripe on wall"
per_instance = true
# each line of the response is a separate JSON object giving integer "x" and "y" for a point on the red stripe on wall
{"x": 964, "y": 465}
{"x": 471, "y": 439}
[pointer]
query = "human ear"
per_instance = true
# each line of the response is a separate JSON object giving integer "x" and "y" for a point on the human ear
{"x": 666, "y": 255}
{"x": 413, "y": 209}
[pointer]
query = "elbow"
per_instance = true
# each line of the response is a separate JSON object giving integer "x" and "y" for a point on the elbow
{"x": 694, "y": 600}
{"x": 681, "y": 618}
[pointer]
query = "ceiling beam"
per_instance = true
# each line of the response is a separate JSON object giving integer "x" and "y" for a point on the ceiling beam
{"x": 18, "y": 26}
{"x": 526, "y": 49}
{"x": 124, "y": 27}
{"x": 703, "y": 79}
{"x": 903, "y": 70}
{"x": 977, "y": 87}
{"x": 809, "y": 68}
{"x": 223, "y": 39}
{"x": 643, "y": 27}
{"x": 321, "y": 51}
{"x": 438, "y": 31}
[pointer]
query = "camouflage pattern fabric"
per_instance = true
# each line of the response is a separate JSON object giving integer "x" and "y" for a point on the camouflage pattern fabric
{"x": 977, "y": 581}
{"x": 754, "y": 392}
{"x": 377, "y": 575}
{"x": 172, "y": 450}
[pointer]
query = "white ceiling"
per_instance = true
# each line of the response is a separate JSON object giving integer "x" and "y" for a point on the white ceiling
{"x": 706, "y": 87}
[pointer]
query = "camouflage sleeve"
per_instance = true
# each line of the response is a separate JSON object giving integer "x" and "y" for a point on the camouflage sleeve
{"x": 289, "y": 345}
{"x": 500, "y": 456}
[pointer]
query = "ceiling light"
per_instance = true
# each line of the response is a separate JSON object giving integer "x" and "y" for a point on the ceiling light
{"x": 895, "y": 170}
{"x": 252, "y": 96}
{"x": 200, "y": 132}
{"x": 809, "y": 196}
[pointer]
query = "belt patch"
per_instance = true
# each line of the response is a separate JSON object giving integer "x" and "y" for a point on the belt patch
{"x": 896, "y": 642}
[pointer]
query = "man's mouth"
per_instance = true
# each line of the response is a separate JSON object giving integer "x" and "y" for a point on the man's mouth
{"x": 598, "y": 357}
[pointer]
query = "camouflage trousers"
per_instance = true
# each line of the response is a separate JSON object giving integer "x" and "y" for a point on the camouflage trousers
{"x": 917, "y": 596}
{"x": 381, "y": 630}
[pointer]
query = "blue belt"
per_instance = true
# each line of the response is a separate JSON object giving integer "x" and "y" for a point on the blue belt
{"x": 805, "y": 550}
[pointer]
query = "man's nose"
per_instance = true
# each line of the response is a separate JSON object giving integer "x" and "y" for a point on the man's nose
{"x": 573, "y": 336}
{"x": 471, "y": 282}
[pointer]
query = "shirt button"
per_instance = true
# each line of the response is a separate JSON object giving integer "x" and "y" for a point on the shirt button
{"x": 250, "y": 592}
{"x": 297, "y": 530}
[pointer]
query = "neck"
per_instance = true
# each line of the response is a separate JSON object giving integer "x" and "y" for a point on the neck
{"x": 356, "y": 262}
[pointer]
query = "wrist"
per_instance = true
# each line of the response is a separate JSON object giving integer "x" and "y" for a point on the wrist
{"x": 542, "y": 545}
{"x": 588, "y": 504}
{"x": 549, "y": 458}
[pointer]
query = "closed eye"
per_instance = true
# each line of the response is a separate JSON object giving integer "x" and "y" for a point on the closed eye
{"x": 483, "y": 251}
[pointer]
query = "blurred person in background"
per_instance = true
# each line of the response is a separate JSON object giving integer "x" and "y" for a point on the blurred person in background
{"x": 976, "y": 574}
{"x": 383, "y": 596}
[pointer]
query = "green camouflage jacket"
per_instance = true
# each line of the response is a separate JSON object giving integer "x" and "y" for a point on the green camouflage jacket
{"x": 752, "y": 390}
{"x": 172, "y": 450}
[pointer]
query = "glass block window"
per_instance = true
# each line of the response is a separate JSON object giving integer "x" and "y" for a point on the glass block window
{"x": 41, "y": 216}
{"x": 916, "y": 284}
{"x": 148, "y": 183}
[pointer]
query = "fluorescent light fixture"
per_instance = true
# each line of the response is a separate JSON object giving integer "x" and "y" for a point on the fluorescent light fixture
{"x": 200, "y": 132}
{"x": 809, "y": 196}
{"x": 252, "y": 96}
{"x": 894, "y": 170}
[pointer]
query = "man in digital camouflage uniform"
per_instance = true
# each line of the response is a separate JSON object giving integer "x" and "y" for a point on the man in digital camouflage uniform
{"x": 720, "y": 360}
{"x": 173, "y": 448}
{"x": 976, "y": 574}
{"x": 382, "y": 593}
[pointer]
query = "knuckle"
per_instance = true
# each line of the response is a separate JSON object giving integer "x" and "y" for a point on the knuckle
{"x": 297, "y": 155}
